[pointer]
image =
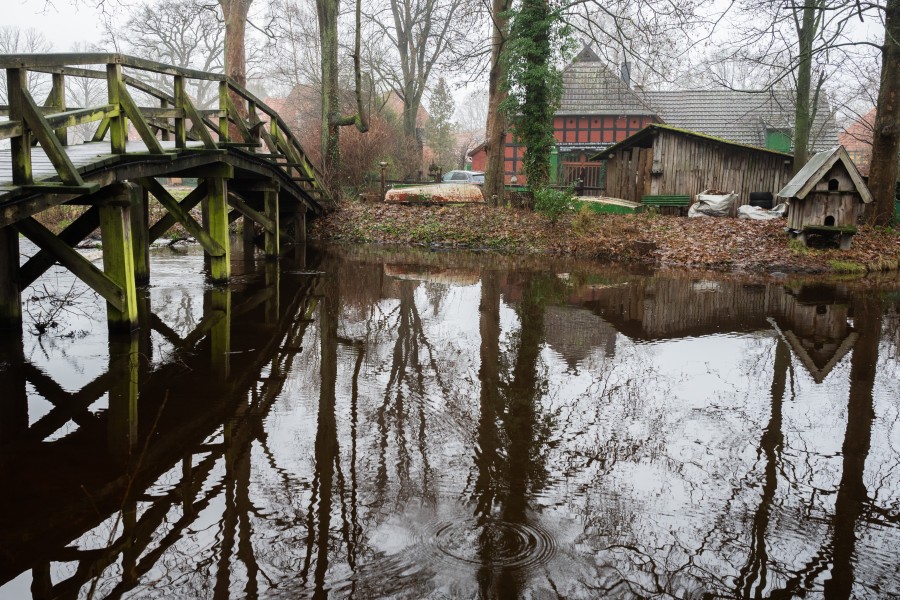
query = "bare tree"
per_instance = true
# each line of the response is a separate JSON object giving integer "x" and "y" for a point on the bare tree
{"x": 418, "y": 36}
{"x": 497, "y": 124}
{"x": 15, "y": 40}
{"x": 183, "y": 33}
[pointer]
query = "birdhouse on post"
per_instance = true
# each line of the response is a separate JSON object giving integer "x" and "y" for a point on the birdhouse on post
{"x": 827, "y": 197}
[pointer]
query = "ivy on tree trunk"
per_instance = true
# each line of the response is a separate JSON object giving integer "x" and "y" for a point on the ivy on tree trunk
{"x": 884, "y": 169}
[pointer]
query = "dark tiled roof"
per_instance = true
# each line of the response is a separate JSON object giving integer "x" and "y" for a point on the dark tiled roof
{"x": 590, "y": 88}
{"x": 739, "y": 116}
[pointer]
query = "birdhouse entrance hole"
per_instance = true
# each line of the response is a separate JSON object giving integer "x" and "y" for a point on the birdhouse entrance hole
{"x": 829, "y": 221}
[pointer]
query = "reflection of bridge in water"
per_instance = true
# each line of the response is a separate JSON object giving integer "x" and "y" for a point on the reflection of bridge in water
{"x": 66, "y": 487}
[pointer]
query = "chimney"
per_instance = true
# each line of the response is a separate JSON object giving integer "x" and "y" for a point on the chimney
{"x": 626, "y": 74}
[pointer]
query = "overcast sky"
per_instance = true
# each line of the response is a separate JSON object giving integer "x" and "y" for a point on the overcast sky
{"x": 58, "y": 20}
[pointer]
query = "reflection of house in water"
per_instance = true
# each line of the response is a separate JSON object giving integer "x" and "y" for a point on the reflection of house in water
{"x": 653, "y": 309}
{"x": 575, "y": 332}
{"x": 815, "y": 324}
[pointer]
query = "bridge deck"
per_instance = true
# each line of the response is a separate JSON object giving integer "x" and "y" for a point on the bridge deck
{"x": 86, "y": 157}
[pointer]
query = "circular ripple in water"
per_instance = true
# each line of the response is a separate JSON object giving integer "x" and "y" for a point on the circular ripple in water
{"x": 491, "y": 543}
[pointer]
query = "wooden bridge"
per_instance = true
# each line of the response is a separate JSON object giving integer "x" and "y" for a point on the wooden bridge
{"x": 247, "y": 162}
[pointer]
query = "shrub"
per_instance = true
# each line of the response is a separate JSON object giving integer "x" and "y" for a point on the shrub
{"x": 553, "y": 203}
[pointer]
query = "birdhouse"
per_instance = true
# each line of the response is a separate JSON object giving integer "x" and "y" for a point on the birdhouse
{"x": 826, "y": 197}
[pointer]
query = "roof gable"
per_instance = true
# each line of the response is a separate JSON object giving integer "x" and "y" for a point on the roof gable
{"x": 813, "y": 171}
{"x": 591, "y": 88}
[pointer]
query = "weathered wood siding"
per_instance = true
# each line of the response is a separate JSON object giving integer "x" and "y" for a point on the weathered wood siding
{"x": 843, "y": 203}
{"x": 686, "y": 165}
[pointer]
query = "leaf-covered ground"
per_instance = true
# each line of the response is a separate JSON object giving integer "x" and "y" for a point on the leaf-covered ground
{"x": 710, "y": 243}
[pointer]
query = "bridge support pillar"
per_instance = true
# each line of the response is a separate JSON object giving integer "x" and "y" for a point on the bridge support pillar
{"x": 300, "y": 225}
{"x": 273, "y": 234}
{"x": 140, "y": 232}
{"x": 10, "y": 294}
{"x": 217, "y": 207}
{"x": 122, "y": 428}
{"x": 118, "y": 258}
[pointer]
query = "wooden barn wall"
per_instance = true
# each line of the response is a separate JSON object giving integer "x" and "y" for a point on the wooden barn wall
{"x": 689, "y": 165}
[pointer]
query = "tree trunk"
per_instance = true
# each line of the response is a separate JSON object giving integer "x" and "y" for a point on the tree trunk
{"x": 884, "y": 170}
{"x": 235, "y": 14}
{"x": 328, "y": 39}
{"x": 497, "y": 125}
{"x": 802, "y": 115}
{"x": 537, "y": 110}
{"x": 411, "y": 103}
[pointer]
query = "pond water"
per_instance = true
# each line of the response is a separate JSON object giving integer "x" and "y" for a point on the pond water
{"x": 380, "y": 423}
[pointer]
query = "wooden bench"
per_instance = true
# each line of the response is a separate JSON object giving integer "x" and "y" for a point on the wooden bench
{"x": 668, "y": 205}
{"x": 843, "y": 234}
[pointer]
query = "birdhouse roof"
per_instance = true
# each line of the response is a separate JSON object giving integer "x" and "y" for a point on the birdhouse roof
{"x": 817, "y": 167}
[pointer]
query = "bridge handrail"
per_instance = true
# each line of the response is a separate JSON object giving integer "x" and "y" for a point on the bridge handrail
{"x": 280, "y": 139}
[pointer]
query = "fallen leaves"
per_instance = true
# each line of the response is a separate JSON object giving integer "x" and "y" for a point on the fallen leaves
{"x": 711, "y": 243}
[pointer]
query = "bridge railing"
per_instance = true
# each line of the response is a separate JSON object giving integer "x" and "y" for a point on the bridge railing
{"x": 241, "y": 120}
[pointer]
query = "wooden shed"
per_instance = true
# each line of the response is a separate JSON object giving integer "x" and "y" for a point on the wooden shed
{"x": 661, "y": 160}
{"x": 828, "y": 195}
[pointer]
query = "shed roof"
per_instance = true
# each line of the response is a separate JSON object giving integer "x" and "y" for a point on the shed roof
{"x": 591, "y": 88}
{"x": 813, "y": 171}
{"x": 740, "y": 116}
{"x": 644, "y": 134}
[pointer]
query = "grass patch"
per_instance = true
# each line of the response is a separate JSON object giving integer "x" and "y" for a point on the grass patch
{"x": 798, "y": 247}
{"x": 846, "y": 266}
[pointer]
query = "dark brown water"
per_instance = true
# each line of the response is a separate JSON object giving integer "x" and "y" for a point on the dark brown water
{"x": 358, "y": 422}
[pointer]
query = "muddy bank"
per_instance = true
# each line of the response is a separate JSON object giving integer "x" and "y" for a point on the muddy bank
{"x": 656, "y": 240}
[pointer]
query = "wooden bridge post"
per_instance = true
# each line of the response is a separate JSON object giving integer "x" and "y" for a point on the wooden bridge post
{"x": 122, "y": 426}
{"x": 300, "y": 225}
{"x": 118, "y": 257}
{"x": 10, "y": 294}
{"x": 118, "y": 126}
{"x": 57, "y": 99}
{"x": 272, "y": 237}
{"x": 217, "y": 206}
{"x": 20, "y": 146}
{"x": 140, "y": 232}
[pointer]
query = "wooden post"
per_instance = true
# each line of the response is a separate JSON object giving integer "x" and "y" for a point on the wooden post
{"x": 10, "y": 294}
{"x": 180, "y": 130}
{"x": 140, "y": 232}
{"x": 122, "y": 415}
{"x": 16, "y": 82}
{"x": 118, "y": 128}
{"x": 300, "y": 225}
{"x": 223, "y": 111}
{"x": 118, "y": 258}
{"x": 165, "y": 134}
{"x": 220, "y": 301}
{"x": 217, "y": 206}
{"x": 57, "y": 100}
{"x": 270, "y": 203}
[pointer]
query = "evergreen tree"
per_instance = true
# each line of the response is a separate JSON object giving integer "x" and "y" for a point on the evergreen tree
{"x": 440, "y": 130}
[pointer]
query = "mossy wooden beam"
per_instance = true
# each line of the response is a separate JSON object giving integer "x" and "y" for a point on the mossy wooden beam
{"x": 118, "y": 129}
{"x": 209, "y": 243}
{"x": 72, "y": 260}
{"x": 241, "y": 206}
{"x": 20, "y": 147}
{"x": 10, "y": 292}
{"x": 168, "y": 220}
{"x": 57, "y": 99}
{"x": 103, "y": 127}
{"x": 235, "y": 116}
{"x": 180, "y": 128}
{"x": 118, "y": 258}
{"x": 49, "y": 142}
{"x": 217, "y": 203}
{"x": 140, "y": 232}
{"x": 71, "y": 118}
{"x": 72, "y": 235}
{"x": 272, "y": 243}
{"x": 137, "y": 119}
{"x": 198, "y": 125}
{"x": 223, "y": 111}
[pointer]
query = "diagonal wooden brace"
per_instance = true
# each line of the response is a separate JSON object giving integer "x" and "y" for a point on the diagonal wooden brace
{"x": 212, "y": 247}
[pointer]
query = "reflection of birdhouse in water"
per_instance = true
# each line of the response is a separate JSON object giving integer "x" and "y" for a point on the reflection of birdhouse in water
{"x": 826, "y": 197}
{"x": 818, "y": 331}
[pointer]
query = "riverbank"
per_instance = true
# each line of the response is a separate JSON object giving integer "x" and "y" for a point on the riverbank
{"x": 656, "y": 240}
